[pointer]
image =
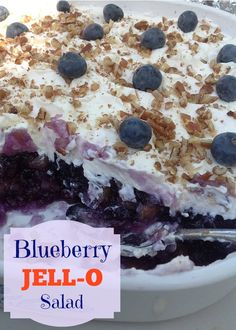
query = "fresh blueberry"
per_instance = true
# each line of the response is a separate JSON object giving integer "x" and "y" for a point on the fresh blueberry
{"x": 227, "y": 54}
{"x": 226, "y": 88}
{"x": 4, "y": 13}
{"x": 93, "y": 32}
{"x": 147, "y": 77}
{"x": 223, "y": 149}
{"x": 135, "y": 133}
{"x": 153, "y": 38}
{"x": 63, "y": 6}
{"x": 16, "y": 29}
{"x": 72, "y": 65}
{"x": 112, "y": 12}
{"x": 188, "y": 21}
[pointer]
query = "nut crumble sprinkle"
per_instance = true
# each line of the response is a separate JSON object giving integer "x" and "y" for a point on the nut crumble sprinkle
{"x": 184, "y": 113}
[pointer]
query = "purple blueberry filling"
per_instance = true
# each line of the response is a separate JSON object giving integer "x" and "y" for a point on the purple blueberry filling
{"x": 27, "y": 178}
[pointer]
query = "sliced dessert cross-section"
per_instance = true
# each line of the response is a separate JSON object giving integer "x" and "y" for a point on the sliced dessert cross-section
{"x": 120, "y": 121}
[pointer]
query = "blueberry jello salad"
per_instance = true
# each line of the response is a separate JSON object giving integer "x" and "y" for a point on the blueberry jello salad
{"x": 119, "y": 120}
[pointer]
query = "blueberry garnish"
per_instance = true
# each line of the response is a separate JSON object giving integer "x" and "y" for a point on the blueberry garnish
{"x": 112, "y": 12}
{"x": 16, "y": 29}
{"x": 188, "y": 21}
{"x": 223, "y": 149}
{"x": 72, "y": 65}
{"x": 135, "y": 133}
{"x": 63, "y": 6}
{"x": 147, "y": 77}
{"x": 4, "y": 13}
{"x": 153, "y": 38}
{"x": 226, "y": 88}
{"x": 227, "y": 54}
{"x": 93, "y": 32}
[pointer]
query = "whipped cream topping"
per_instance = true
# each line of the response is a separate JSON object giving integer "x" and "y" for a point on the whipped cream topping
{"x": 173, "y": 168}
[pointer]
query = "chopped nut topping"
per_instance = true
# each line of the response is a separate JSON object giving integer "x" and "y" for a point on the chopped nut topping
{"x": 17, "y": 82}
{"x": 173, "y": 39}
{"x": 94, "y": 87}
{"x": 128, "y": 98}
{"x": 157, "y": 166}
{"x": 106, "y": 46}
{"x": 165, "y": 24}
{"x": 142, "y": 25}
{"x": 3, "y": 73}
{"x": 216, "y": 67}
{"x": 214, "y": 38}
{"x": 86, "y": 49}
{"x": 48, "y": 92}
{"x": 76, "y": 102}
{"x": 162, "y": 127}
{"x": 42, "y": 114}
{"x": 107, "y": 27}
{"x": 232, "y": 114}
{"x": 191, "y": 126}
{"x": 169, "y": 105}
{"x": 179, "y": 88}
{"x": 219, "y": 170}
{"x": 62, "y": 151}
{"x": 71, "y": 127}
{"x": 212, "y": 79}
{"x": 55, "y": 43}
{"x": 200, "y": 39}
{"x": 82, "y": 91}
{"x": 105, "y": 121}
{"x": 158, "y": 95}
{"x": 22, "y": 40}
{"x": 200, "y": 125}
{"x": 205, "y": 27}
{"x": 183, "y": 101}
{"x": 25, "y": 110}
{"x": 194, "y": 47}
{"x": 108, "y": 64}
{"x": 131, "y": 39}
{"x": 120, "y": 147}
{"x": 206, "y": 89}
{"x": 123, "y": 63}
{"x": 3, "y": 94}
{"x": 156, "y": 105}
{"x": 148, "y": 147}
{"x": 200, "y": 98}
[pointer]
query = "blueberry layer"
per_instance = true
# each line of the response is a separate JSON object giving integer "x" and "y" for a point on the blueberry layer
{"x": 28, "y": 178}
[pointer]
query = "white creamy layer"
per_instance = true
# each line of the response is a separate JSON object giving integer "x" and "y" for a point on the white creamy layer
{"x": 137, "y": 170}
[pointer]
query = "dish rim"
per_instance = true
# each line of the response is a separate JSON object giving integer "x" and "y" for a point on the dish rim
{"x": 221, "y": 270}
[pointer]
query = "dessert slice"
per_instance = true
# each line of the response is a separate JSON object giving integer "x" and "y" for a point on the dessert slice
{"x": 121, "y": 121}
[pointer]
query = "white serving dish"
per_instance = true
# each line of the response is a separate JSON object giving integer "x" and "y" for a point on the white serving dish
{"x": 156, "y": 298}
{"x": 147, "y": 297}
